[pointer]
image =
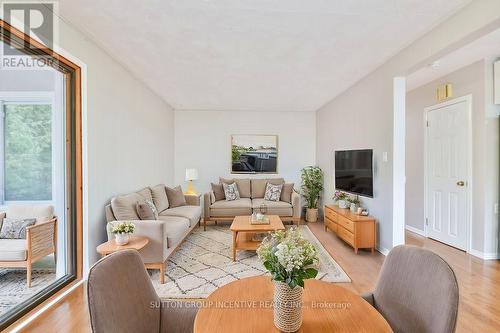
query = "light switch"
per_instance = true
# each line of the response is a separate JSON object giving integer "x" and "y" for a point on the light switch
{"x": 385, "y": 157}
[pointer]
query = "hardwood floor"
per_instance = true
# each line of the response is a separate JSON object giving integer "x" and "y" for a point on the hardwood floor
{"x": 479, "y": 283}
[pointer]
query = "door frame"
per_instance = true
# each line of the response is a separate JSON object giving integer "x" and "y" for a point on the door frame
{"x": 469, "y": 182}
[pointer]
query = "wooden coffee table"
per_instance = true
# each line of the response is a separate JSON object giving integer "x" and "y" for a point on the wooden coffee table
{"x": 245, "y": 306}
{"x": 243, "y": 232}
{"x": 135, "y": 242}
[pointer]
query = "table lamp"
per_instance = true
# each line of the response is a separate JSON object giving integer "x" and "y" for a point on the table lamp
{"x": 191, "y": 174}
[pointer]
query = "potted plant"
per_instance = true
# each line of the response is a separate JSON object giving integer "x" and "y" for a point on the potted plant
{"x": 354, "y": 202}
{"x": 290, "y": 259}
{"x": 312, "y": 185}
{"x": 122, "y": 231}
{"x": 341, "y": 199}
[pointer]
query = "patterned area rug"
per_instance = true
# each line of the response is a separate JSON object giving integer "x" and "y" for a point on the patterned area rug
{"x": 204, "y": 262}
{"x": 13, "y": 287}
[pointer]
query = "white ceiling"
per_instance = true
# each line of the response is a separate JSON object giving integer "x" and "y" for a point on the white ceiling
{"x": 263, "y": 55}
{"x": 487, "y": 46}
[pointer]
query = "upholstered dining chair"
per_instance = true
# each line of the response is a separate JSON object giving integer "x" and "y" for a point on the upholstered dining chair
{"x": 417, "y": 291}
{"x": 121, "y": 298}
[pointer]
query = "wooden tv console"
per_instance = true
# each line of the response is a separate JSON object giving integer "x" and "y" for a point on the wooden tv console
{"x": 356, "y": 230}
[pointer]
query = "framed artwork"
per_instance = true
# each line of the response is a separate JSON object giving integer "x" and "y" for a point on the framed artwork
{"x": 254, "y": 153}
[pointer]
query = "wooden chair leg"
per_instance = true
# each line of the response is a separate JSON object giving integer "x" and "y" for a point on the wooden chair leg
{"x": 162, "y": 273}
{"x": 28, "y": 274}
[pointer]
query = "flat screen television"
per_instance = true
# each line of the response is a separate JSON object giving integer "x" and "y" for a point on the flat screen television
{"x": 354, "y": 171}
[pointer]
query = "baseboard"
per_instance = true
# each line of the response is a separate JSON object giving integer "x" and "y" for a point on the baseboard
{"x": 382, "y": 250}
{"x": 415, "y": 230}
{"x": 484, "y": 256}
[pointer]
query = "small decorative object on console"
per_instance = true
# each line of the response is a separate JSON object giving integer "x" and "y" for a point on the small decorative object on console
{"x": 354, "y": 202}
{"x": 263, "y": 208}
{"x": 258, "y": 218}
{"x": 122, "y": 231}
{"x": 341, "y": 199}
{"x": 290, "y": 259}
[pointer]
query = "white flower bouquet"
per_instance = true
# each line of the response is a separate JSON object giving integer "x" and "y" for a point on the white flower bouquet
{"x": 289, "y": 257}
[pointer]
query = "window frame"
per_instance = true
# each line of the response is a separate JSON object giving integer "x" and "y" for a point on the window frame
{"x": 74, "y": 165}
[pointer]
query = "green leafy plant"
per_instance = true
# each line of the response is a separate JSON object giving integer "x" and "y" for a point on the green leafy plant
{"x": 236, "y": 153}
{"x": 289, "y": 257}
{"x": 354, "y": 199}
{"x": 312, "y": 185}
{"x": 123, "y": 228}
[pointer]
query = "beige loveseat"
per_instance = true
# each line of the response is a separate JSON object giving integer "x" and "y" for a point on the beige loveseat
{"x": 41, "y": 238}
{"x": 164, "y": 234}
{"x": 251, "y": 200}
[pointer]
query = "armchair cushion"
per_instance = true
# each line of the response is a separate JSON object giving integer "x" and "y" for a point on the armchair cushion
{"x": 15, "y": 228}
{"x": 223, "y": 208}
{"x": 13, "y": 249}
{"x": 192, "y": 213}
{"x": 273, "y": 207}
{"x": 41, "y": 213}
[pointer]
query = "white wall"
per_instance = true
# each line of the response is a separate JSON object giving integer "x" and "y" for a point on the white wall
{"x": 362, "y": 116}
{"x": 202, "y": 141}
{"x": 129, "y": 132}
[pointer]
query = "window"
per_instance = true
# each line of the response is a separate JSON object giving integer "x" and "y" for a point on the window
{"x": 27, "y": 152}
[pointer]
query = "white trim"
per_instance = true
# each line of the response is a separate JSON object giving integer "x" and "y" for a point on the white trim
{"x": 46, "y": 307}
{"x": 399, "y": 160}
{"x": 382, "y": 250}
{"x": 467, "y": 99}
{"x": 484, "y": 256}
{"x": 415, "y": 230}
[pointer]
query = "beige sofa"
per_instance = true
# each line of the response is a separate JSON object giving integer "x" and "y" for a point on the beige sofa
{"x": 164, "y": 234}
{"x": 252, "y": 193}
{"x": 41, "y": 238}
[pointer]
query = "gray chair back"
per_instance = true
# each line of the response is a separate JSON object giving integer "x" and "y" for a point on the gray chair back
{"x": 121, "y": 297}
{"x": 417, "y": 291}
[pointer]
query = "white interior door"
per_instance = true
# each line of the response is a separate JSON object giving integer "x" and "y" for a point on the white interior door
{"x": 447, "y": 156}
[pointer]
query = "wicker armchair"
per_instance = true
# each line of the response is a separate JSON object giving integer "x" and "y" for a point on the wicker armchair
{"x": 41, "y": 238}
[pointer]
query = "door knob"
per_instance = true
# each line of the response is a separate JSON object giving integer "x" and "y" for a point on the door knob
{"x": 461, "y": 183}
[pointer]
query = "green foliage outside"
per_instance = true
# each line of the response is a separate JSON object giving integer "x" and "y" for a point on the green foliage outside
{"x": 28, "y": 152}
{"x": 236, "y": 153}
{"x": 312, "y": 185}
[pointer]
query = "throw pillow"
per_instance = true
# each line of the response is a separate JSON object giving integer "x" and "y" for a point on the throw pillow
{"x": 286, "y": 193}
{"x": 175, "y": 197}
{"x": 231, "y": 191}
{"x": 15, "y": 228}
{"x": 147, "y": 210}
{"x": 273, "y": 192}
{"x": 159, "y": 197}
{"x": 218, "y": 191}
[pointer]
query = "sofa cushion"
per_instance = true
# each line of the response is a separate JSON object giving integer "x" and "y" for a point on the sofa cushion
{"x": 280, "y": 208}
{"x": 231, "y": 192}
{"x": 41, "y": 213}
{"x": 147, "y": 210}
{"x": 259, "y": 186}
{"x": 175, "y": 197}
{"x": 124, "y": 206}
{"x": 218, "y": 191}
{"x": 273, "y": 192}
{"x": 160, "y": 198}
{"x": 241, "y": 206}
{"x": 242, "y": 183}
{"x": 286, "y": 192}
{"x": 176, "y": 227}
{"x": 12, "y": 249}
{"x": 193, "y": 213}
{"x": 145, "y": 193}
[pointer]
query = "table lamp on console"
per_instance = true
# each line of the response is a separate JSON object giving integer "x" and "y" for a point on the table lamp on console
{"x": 191, "y": 174}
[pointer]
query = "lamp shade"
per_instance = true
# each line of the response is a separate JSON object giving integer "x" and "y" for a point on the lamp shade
{"x": 191, "y": 174}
